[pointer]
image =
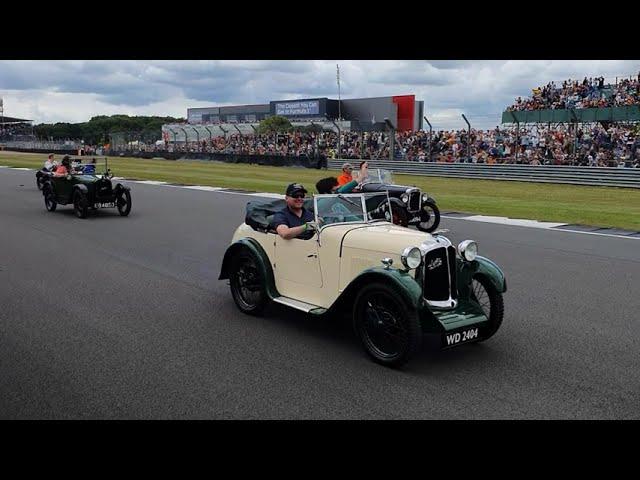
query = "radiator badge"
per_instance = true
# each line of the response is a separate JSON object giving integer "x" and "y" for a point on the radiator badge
{"x": 435, "y": 263}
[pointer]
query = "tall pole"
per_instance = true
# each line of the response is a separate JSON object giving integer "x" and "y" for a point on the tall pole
{"x": 468, "y": 138}
{"x": 197, "y": 136}
{"x": 210, "y": 134}
{"x": 339, "y": 140}
{"x": 430, "y": 135}
{"x": 339, "y": 100}
{"x": 391, "y": 138}
{"x": 517, "y": 140}
{"x": 2, "y": 113}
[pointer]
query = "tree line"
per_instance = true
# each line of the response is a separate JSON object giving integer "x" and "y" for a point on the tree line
{"x": 97, "y": 130}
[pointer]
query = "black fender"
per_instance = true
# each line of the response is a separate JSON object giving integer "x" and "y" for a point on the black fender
{"x": 398, "y": 202}
{"x": 120, "y": 186}
{"x": 429, "y": 200}
{"x": 48, "y": 182}
{"x": 264, "y": 264}
{"x": 83, "y": 188}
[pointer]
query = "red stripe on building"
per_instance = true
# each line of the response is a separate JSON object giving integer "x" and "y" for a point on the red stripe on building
{"x": 406, "y": 111}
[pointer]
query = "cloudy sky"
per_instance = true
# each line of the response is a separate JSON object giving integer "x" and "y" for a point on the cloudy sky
{"x": 75, "y": 90}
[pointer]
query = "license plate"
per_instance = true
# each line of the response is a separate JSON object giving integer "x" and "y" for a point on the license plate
{"x": 107, "y": 205}
{"x": 456, "y": 338}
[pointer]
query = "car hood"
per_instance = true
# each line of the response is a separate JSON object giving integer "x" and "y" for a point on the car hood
{"x": 87, "y": 178}
{"x": 380, "y": 187}
{"x": 385, "y": 238}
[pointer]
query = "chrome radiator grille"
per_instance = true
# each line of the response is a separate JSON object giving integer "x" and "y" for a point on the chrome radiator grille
{"x": 439, "y": 281}
{"x": 415, "y": 201}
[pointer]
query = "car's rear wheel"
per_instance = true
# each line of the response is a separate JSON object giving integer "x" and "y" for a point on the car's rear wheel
{"x": 490, "y": 300}
{"x": 80, "y": 204}
{"x": 248, "y": 284}
{"x": 429, "y": 217}
{"x": 387, "y": 327}
{"x": 49, "y": 198}
{"x": 123, "y": 202}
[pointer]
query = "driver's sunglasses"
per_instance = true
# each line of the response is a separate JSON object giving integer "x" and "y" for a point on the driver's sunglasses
{"x": 298, "y": 195}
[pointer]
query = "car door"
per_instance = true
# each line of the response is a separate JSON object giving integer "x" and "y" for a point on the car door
{"x": 297, "y": 269}
{"x": 63, "y": 188}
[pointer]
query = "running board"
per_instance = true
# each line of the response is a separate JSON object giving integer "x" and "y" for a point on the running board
{"x": 299, "y": 305}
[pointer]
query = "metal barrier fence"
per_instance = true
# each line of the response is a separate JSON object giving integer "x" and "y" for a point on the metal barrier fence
{"x": 595, "y": 176}
{"x": 43, "y": 145}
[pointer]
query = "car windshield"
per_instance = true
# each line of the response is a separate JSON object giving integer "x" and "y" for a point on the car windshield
{"x": 352, "y": 208}
{"x": 382, "y": 176}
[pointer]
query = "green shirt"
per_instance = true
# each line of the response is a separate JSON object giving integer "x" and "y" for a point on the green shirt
{"x": 348, "y": 187}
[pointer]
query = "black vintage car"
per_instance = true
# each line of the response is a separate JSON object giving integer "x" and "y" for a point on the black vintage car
{"x": 41, "y": 177}
{"x": 86, "y": 190}
{"x": 410, "y": 205}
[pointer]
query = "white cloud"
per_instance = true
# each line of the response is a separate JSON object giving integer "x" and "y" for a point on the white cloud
{"x": 74, "y": 91}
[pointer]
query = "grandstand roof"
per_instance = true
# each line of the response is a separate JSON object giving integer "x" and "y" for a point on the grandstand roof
{"x": 6, "y": 119}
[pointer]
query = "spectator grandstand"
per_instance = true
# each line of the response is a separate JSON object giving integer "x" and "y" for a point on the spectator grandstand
{"x": 575, "y": 94}
{"x": 606, "y": 144}
{"x": 16, "y": 129}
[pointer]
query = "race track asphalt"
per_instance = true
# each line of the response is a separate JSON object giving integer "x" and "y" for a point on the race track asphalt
{"x": 124, "y": 318}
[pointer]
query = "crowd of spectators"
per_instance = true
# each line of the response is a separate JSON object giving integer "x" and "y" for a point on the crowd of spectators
{"x": 588, "y": 93}
{"x": 539, "y": 144}
{"x": 18, "y": 131}
{"x": 290, "y": 144}
{"x": 597, "y": 144}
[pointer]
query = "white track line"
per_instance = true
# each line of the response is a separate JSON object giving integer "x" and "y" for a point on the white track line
{"x": 199, "y": 187}
{"x": 147, "y": 182}
{"x": 516, "y": 222}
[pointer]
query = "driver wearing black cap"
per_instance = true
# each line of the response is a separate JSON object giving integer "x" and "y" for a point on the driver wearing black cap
{"x": 293, "y": 220}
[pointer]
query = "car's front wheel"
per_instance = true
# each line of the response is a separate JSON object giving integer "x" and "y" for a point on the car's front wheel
{"x": 491, "y": 301}
{"x": 429, "y": 217}
{"x": 387, "y": 327}
{"x": 123, "y": 202}
{"x": 49, "y": 198}
{"x": 248, "y": 284}
{"x": 80, "y": 204}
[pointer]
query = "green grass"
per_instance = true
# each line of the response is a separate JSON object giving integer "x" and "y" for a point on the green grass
{"x": 598, "y": 206}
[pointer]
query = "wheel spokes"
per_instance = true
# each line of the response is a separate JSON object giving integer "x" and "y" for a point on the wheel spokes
{"x": 385, "y": 332}
{"x": 482, "y": 297}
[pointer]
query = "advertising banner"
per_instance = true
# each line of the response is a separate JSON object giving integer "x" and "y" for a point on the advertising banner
{"x": 298, "y": 108}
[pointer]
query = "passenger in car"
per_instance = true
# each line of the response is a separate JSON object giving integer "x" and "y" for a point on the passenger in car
{"x": 50, "y": 163}
{"x": 332, "y": 185}
{"x": 64, "y": 168}
{"x": 294, "y": 220}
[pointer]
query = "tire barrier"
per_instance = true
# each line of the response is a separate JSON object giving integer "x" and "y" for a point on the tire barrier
{"x": 594, "y": 176}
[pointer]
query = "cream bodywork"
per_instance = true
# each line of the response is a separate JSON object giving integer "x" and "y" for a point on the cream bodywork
{"x": 316, "y": 271}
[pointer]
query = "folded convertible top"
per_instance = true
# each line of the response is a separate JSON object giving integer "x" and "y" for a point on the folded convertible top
{"x": 259, "y": 212}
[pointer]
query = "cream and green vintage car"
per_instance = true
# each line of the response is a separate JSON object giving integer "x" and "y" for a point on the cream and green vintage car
{"x": 397, "y": 284}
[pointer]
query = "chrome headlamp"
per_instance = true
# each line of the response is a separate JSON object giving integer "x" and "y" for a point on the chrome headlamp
{"x": 404, "y": 198}
{"x": 411, "y": 257}
{"x": 468, "y": 250}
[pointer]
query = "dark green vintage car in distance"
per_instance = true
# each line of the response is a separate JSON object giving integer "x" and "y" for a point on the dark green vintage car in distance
{"x": 86, "y": 191}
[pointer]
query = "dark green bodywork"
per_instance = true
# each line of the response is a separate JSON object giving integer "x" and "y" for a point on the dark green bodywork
{"x": 433, "y": 320}
{"x": 90, "y": 185}
{"x": 262, "y": 260}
